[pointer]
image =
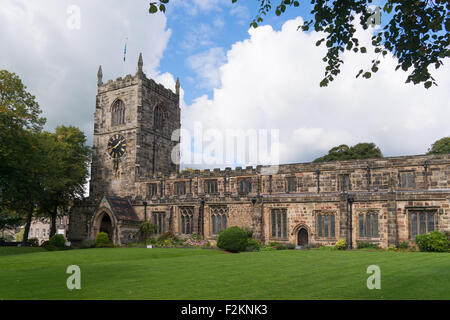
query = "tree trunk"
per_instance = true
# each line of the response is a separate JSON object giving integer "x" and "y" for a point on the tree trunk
{"x": 53, "y": 224}
{"x": 28, "y": 225}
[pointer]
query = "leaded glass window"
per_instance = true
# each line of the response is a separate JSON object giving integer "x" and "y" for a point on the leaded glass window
{"x": 218, "y": 219}
{"x": 279, "y": 223}
{"x": 186, "y": 219}
{"x": 368, "y": 224}
{"x": 421, "y": 222}
{"x": 326, "y": 225}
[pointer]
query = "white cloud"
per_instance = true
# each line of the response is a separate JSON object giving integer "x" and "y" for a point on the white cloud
{"x": 271, "y": 80}
{"x": 59, "y": 65}
{"x": 206, "y": 65}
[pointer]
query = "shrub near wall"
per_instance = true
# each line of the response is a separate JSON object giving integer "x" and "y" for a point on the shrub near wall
{"x": 102, "y": 240}
{"x": 233, "y": 239}
{"x": 434, "y": 241}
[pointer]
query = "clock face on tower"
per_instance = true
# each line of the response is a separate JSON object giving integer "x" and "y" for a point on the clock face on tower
{"x": 117, "y": 146}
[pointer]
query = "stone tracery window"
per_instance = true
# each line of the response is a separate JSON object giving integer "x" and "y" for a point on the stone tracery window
{"x": 158, "y": 118}
{"x": 421, "y": 222}
{"x": 326, "y": 225}
{"x": 186, "y": 220}
{"x": 219, "y": 219}
{"x": 118, "y": 113}
{"x": 368, "y": 225}
{"x": 279, "y": 223}
{"x": 158, "y": 221}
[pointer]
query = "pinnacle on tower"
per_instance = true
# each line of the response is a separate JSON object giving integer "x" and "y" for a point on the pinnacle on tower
{"x": 140, "y": 63}
{"x": 99, "y": 76}
{"x": 177, "y": 87}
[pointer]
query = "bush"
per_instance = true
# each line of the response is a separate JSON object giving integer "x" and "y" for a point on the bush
{"x": 45, "y": 243}
{"x": 253, "y": 245}
{"x": 58, "y": 241}
{"x": 101, "y": 238}
{"x": 146, "y": 229}
{"x": 50, "y": 247}
{"x": 86, "y": 244}
{"x": 290, "y": 246}
{"x": 434, "y": 241}
{"x": 366, "y": 244}
{"x": 341, "y": 244}
{"x": 33, "y": 242}
{"x": 233, "y": 239}
{"x": 167, "y": 235}
{"x": 404, "y": 245}
{"x": 281, "y": 246}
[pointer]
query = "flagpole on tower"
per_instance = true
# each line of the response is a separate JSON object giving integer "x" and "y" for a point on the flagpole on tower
{"x": 125, "y": 55}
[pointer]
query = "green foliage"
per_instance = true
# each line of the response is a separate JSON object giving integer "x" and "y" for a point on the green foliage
{"x": 58, "y": 241}
{"x": 87, "y": 244}
{"x": 341, "y": 244}
{"x": 434, "y": 241}
{"x": 291, "y": 246}
{"x": 253, "y": 245}
{"x": 101, "y": 238}
{"x": 166, "y": 236}
{"x": 267, "y": 248}
{"x": 10, "y": 220}
{"x": 440, "y": 146}
{"x": 417, "y": 33}
{"x": 366, "y": 245}
{"x": 404, "y": 245}
{"x": 233, "y": 239}
{"x": 146, "y": 229}
{"x": 33, "y": 242}
{"x": 359, "y": 151}
{"x": 50, "y": 247}
{"x": 19, "y": 236}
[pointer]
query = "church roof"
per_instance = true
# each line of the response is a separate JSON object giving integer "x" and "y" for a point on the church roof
{"x": 122, "y": 208}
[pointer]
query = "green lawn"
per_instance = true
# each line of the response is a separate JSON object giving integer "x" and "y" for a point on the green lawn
{"x": 137, "y": 273}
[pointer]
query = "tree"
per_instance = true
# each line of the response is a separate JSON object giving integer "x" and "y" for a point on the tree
{"x": 416, "y": 32}
{"x": 66, "y": 157}
{"x": 358, "y": 151}
{"x": 440, "y": 146}
{"x": 20, "y": 124}
{"x": 9, "y": 221}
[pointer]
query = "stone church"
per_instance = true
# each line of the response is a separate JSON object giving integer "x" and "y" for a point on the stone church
{"x": 384, "y": 201}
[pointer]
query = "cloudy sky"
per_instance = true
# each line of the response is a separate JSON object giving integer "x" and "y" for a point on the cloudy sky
{"x": 231, "y": 76}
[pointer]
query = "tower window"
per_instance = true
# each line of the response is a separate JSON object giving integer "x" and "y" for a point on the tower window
{"x": 118, "y": 113}
{"x": 158, "y": 119}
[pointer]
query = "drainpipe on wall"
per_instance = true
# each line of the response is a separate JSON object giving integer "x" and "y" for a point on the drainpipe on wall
{"x": 350, "y": 201}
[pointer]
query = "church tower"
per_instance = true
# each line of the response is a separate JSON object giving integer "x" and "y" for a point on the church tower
{"x": 133, "y": 125}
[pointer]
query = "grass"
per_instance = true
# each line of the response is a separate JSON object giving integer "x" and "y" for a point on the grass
{"x": 138, "y": 273}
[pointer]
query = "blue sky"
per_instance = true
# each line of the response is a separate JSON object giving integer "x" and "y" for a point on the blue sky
{"x": 232, "y": 76}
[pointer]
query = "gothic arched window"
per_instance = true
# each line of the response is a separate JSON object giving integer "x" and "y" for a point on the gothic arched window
{"x": 158, "y": 119}
{"x": 118, "y": 113}
{"x": 218, "y": 219}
